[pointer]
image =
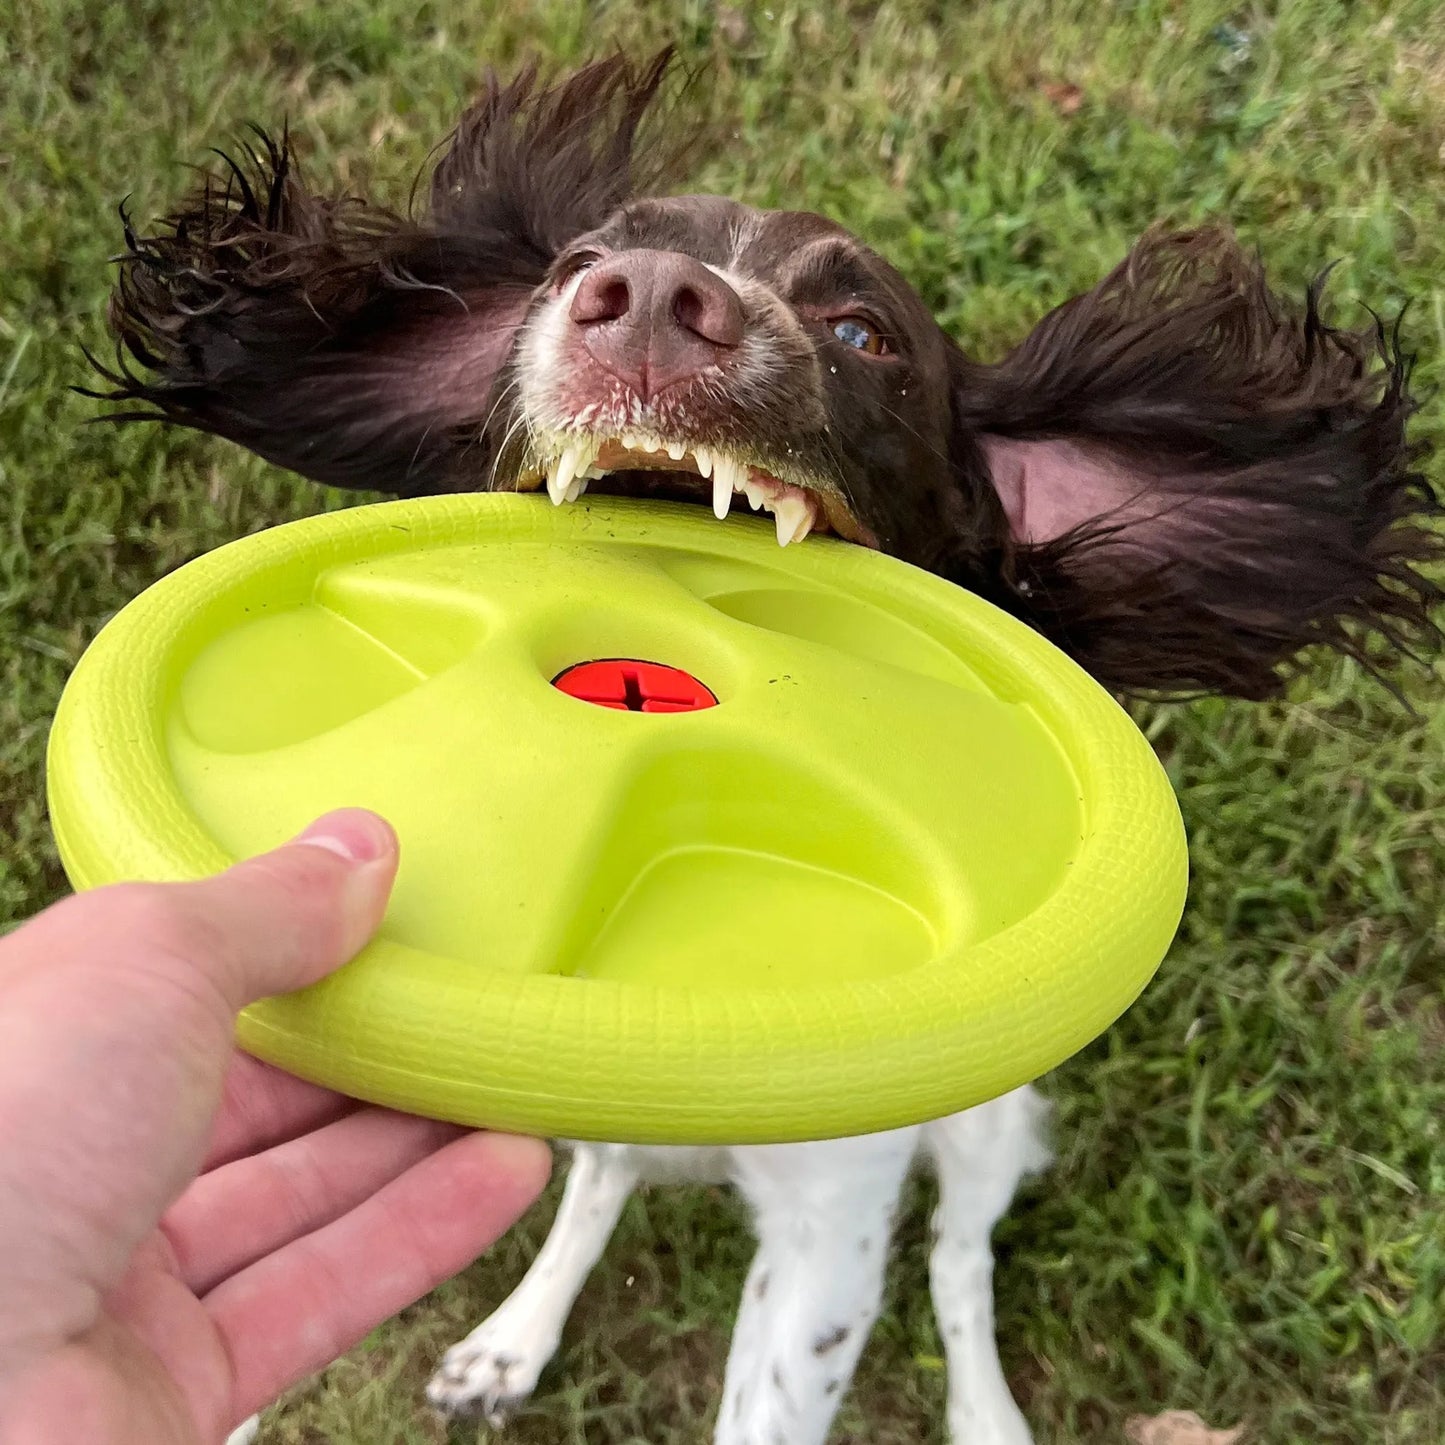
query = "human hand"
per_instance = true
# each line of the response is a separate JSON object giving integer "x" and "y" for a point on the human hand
{"x": 184, "y": 1232}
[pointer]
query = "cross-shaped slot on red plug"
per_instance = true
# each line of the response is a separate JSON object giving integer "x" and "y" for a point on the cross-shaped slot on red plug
{"x": 629, "y": 685}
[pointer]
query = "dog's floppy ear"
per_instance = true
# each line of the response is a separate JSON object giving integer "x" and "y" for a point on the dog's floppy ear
{"x": 543, "y": 164}
{"x": 351, "y": 344}
{"x": 1196, "y": 482}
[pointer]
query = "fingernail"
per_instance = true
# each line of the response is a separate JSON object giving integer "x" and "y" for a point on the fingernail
{"x": 353, "y": 834}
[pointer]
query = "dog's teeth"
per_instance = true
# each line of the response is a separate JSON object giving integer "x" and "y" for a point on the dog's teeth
{"x": 568, "y": 467}
{"x": 703, "y": 458}
{"x": 728, "y": 469}
{"x": 789, "y": 513}
{"x": 677, "y": 450}
{"x": 755, "y": 494}
{"x": 722, "y": 492}
{"x": 579, "y": 485}
{"x": 559, "y": 475}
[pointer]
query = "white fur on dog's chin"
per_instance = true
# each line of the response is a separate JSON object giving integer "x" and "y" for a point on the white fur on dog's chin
{"x": 823, "y": 1213}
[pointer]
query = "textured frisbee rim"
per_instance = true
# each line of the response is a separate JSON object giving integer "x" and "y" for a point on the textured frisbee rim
{"x": 737, "y": 1067}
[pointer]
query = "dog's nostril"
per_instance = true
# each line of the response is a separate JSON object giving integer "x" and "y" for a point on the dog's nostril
{"x": 602, "y": 296}
{"x": 714, "y": 313}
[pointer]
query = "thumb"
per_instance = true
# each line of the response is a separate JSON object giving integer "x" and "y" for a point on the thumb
{"x": 287, "y": 918}
{"x": 116, "y": 1017}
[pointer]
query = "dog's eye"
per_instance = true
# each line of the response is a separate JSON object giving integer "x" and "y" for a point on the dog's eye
{"x": 860, "y": 333}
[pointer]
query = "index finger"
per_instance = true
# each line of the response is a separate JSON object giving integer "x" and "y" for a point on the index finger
{"x": 299, "y": 1309}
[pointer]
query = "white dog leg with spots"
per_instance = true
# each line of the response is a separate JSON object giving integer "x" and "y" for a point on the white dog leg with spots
{"x": 980, "y": 1156}
{"x": 496, "y": 1367}
{"x": 823, "y": 1214}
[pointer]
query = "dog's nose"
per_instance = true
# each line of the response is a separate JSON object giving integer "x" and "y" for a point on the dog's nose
{"x": 655, "y": 318}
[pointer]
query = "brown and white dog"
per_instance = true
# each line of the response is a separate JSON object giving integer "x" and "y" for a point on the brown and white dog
{"x": 1179, "y": 478}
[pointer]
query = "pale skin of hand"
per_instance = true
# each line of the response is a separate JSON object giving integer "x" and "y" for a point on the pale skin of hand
{"x": 184, "y": 1232}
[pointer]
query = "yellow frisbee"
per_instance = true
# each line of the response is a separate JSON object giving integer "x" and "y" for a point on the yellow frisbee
{"x": 702, "y": 841}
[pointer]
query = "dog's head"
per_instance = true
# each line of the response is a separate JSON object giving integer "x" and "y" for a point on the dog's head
{"x": 1177, "y": 477}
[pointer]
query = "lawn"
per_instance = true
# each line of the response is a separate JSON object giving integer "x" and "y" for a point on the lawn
{"x": 1246, "y": 1216}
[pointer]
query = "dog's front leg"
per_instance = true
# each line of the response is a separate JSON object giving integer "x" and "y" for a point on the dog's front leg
{"x": 496, "y": 1367}
{"x": 981, "y": 1156}
{"x": 823, "y": 1214}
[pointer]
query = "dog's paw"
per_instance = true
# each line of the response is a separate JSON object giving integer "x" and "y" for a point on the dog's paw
{"x": 482, "y": 1378}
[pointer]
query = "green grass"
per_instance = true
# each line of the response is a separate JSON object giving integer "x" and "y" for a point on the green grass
{"x": 1246, "y": 1218}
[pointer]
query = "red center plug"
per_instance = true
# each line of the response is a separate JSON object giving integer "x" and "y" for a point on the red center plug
{"x": 627, "y": 685}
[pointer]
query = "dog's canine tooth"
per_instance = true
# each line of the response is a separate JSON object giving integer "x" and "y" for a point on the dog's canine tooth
{"x": 559, "y": 475}
{"x": 789, "y": 514}
{"x": 722, "y": 491}
{"x": 568, "y": 467}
